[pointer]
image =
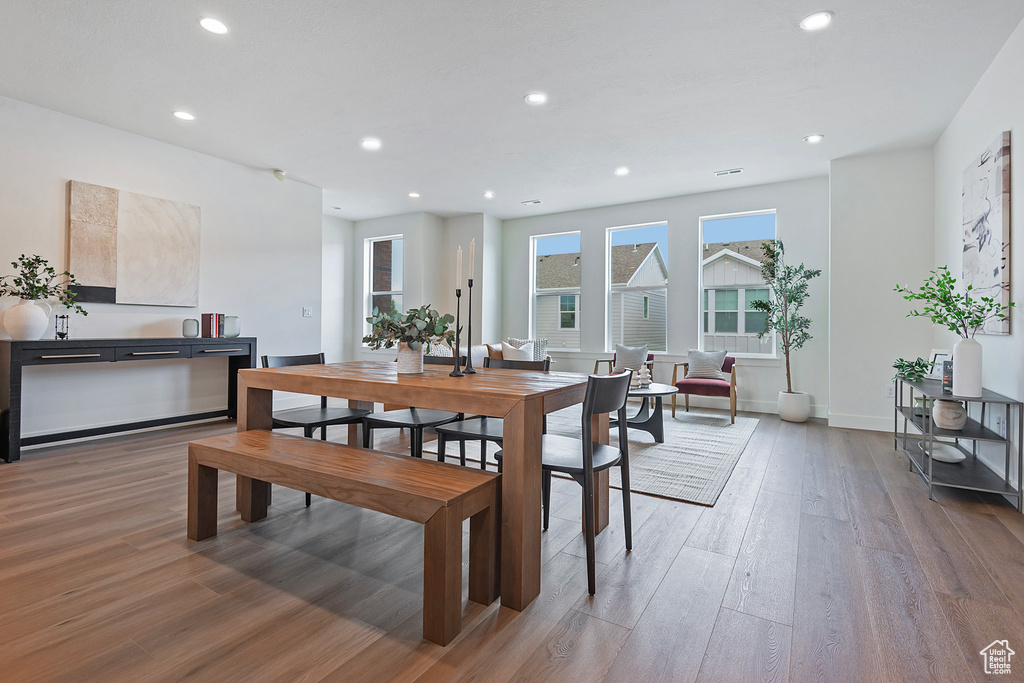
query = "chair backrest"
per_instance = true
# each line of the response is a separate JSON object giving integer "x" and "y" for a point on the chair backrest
{"x": 540, "y": 365}
{"x": 727, "y": 364}
{"x": 442, "y": 360}
{"x": 285, "y": 361}
{"x": 605, "y": 394}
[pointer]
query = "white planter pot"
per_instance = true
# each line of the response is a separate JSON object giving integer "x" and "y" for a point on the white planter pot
{"x": 26, "y": 321}
{"x": 967, "y": 368}
{"x": 794, "y": 407}
{"x": 409, "y": 362}
{"x": 949, "y": 415}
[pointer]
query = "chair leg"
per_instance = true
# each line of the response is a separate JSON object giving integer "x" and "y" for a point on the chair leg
{"x": 687, "y": 397}
{"x": 417, "y": 441}
{"x": 483, "y": 454}
{"x": 588, "y": 531}
{"x": 673, "y": 405}
{"x": 309, "y": 499}
{"x": 323, "y": 433}
{"x": 627, "y": 515}
{"x": 366, "y": 434}
{"x": 462, "y": 452}
{"x": 442, "y": 448}
{"x": 307, "y": 432}
{"x": 546, "y": 496}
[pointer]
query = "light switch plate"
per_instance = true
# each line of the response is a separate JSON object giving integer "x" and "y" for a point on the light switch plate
{"x": 307, "y": 312}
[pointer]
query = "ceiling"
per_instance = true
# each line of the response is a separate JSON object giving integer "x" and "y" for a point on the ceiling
{"x": 672, "y": 89}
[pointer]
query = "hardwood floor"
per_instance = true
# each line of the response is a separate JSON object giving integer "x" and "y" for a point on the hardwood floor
{"x": 823, "y": 560}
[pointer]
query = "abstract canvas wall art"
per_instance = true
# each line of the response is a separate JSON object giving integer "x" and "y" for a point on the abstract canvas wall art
{"x": 128, "y": 248}
{"x": 986, "y": 228}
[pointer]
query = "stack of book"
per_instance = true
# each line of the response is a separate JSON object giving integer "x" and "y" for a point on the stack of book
{"x": 213, "y": 325}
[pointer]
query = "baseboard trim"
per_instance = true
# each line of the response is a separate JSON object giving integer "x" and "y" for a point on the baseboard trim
{"x": 868, "y": 422}
{"x": 768, "y": 407}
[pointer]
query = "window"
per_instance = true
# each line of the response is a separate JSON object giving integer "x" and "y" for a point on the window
{"x": 730, "y": 281}
{"x": 638, "y": 286}
{"x": 384, "y": 263}
{"x": 567, "y": 312}
{"x": 556, "y": 289}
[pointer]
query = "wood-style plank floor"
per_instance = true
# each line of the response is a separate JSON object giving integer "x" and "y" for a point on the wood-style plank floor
{"x": 823, "y": 560}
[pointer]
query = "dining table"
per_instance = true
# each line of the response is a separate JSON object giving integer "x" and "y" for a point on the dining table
{"x": 521, "y": 397}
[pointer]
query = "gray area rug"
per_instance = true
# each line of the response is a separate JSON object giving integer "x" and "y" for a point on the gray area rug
{"x": 693, "y": 465}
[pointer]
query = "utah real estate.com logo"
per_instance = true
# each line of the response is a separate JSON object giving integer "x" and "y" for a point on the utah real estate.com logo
{"x": 997, "y": 657}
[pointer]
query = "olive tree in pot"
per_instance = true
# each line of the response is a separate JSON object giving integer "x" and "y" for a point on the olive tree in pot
{"x": 35, "y": 282}
{"x": 789, "y": 290}
{"x": 413, "y": 332}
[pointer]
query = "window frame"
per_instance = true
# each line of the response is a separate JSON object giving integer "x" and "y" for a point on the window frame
{"x": 741, "y": 309}
{"x": 534, "y": 294}
{"x": 608, "y": 290}
{"x": 368, "y": 292}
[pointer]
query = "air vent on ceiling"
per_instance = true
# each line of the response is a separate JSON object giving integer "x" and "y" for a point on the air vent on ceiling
{"x": 531, "y": 202}
{"x": 728, "y": 171}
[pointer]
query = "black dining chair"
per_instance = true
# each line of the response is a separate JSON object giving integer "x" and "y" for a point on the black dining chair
{"x": 580, "y": 458}
{"x": 415, "y": 419}
{"x": 484, "y": 429}
{"x": 311, "y": 418}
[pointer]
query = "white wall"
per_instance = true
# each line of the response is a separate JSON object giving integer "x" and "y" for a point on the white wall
{"x": 260, "y": 259}
{"x": 802, "y": 222}
{"x": 881, "y": 235}
{"x": 337, "y": 290}
{"x": 995, "y": 105}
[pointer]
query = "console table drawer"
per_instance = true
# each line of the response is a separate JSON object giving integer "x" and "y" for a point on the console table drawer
{"x": 153, "y": 352}
{"x": 208, "y": 350}
{"x": 55, "y": 357}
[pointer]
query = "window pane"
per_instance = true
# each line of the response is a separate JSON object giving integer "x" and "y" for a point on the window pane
{"x": 753, "y": 295}
{"x": 731, "y": 252}
{"x": 726, "y": 299}
{"x": 707, "y": 294}
{"x": 725, "y": 322}
{"x": 383, "y": 302}
{"x": 638, "y": 277}
{"x": 755, "y": 322}
{"x": 706, "y": 322}
{"x": 556, "y": 289}
{"x": 387, "y": 266}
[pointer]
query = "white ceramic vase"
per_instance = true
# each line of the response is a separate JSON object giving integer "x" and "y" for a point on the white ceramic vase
{"x": 967, "y": 368}
{"x": 26, "y": 321}
{"x": 795, "y": 406}
{"x": 410, "y": 362}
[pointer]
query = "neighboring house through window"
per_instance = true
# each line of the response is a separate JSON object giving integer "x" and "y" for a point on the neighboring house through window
{"x": 384, "y": 265}
{"x": 555, "y": 314}
{"x": 638, "y": 286}
{"x": 731, "y": 281}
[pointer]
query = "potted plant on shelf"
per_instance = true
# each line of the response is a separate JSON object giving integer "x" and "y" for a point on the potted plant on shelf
{"x": 413, "y": 332}
{"x": 960, "y": 313}
{"x": 914, "y": 371}
{"x": 789, "y": 291}
{"x": 35, "y": 282}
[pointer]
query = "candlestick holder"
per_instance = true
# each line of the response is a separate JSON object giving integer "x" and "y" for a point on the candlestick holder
{"x": 457, "y": 372}
{"x": 469, "y": 332}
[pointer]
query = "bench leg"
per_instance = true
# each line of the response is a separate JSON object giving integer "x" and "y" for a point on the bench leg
{"x": 442, "y": 576}
{"x": 252, "y": 496}
{"x": 202, "y": 499}
{"x": 485, "y": 552}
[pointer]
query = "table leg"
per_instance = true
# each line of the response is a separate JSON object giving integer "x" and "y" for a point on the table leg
{"x": 599, "y": 425}
{"x": 355, "y": 430}
{"x": 657, "y": 421}
{"x": 255, "y": 411}
{"x": 520, "y": 504}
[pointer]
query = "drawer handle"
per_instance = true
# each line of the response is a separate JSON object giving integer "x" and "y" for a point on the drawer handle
{"x": 220, "y": 350}
{"x": 153, "y": 353}
{"x": 75, "y": 355}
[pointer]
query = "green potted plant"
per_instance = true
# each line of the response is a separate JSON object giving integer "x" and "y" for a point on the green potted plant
{"x": 915, "y": 371}
{"x": 789, "y": 291}
{"x": 34, "y": 282}
{"x": 960, "y": 313}
{"x": 413, "y": 332}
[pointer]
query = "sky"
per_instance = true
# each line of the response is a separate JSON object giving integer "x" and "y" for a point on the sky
{"x": 756, "y": 227}
{"x": 570, "y": 244}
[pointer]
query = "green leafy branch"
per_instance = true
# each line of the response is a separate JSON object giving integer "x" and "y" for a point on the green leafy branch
{"x": 914, "y": 370}
{"x": 37, "y": 280}
{"x": 957, "y": 312}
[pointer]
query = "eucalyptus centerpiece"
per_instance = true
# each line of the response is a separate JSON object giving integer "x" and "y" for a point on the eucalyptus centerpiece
{"x": 35, "y": 282}
{"x": 789, "y": 287}
{"x": 961, "y": 313}
{"x": 412, "y": 332}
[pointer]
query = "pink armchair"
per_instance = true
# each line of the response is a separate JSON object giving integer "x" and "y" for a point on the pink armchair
{"x": 707, "y": 387}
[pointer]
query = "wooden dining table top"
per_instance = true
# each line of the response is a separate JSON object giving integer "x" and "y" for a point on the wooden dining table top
{"x": 492, "y": 391}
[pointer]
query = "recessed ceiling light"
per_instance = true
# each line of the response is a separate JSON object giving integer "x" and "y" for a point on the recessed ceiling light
{"x": 213, "y": 25}
{"x": 370, "y": 143}
{"x": 489, "y": 194}
{"x": 531, "y": 202}
{"x": 816, "y": 21}
{"x": 336, "y": 208}
{"x": 280, "y": 174}
{"x": 414, "y": 195}
{"x": 184, "y": 116}
{"x": 536, "y": 98}
{"x": 622, "y": 170}
{"x": 814, "y": 139}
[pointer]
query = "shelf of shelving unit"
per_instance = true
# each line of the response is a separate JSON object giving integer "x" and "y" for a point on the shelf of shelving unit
{"x": 972, "y": 473}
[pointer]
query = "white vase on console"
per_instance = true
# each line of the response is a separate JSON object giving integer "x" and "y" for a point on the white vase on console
{"x": 26, "y": 321}
{"x": 967, "y": 368}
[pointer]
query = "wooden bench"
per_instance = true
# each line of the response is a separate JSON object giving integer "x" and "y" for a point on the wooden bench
{"x": 437, "y": 495}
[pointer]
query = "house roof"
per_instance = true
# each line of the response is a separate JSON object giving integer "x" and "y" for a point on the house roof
{"x": 561, "y": 271}
{"x": 749, "y": 248}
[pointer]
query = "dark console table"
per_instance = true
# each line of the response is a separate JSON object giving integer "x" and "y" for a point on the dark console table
{"x": 14, "y": 355}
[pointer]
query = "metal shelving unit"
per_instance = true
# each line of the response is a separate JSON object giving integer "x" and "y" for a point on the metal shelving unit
{"x": 971, "y": 473}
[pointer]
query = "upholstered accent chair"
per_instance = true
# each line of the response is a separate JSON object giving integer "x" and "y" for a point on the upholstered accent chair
{"x": 707, "y": 387}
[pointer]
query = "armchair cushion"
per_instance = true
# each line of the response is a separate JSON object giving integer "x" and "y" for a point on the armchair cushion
{"x": 524, "y": 352}
{"x": 703, "y": 387}
{"x": 629, "y": 357}
{"x": 706, "y": 364}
